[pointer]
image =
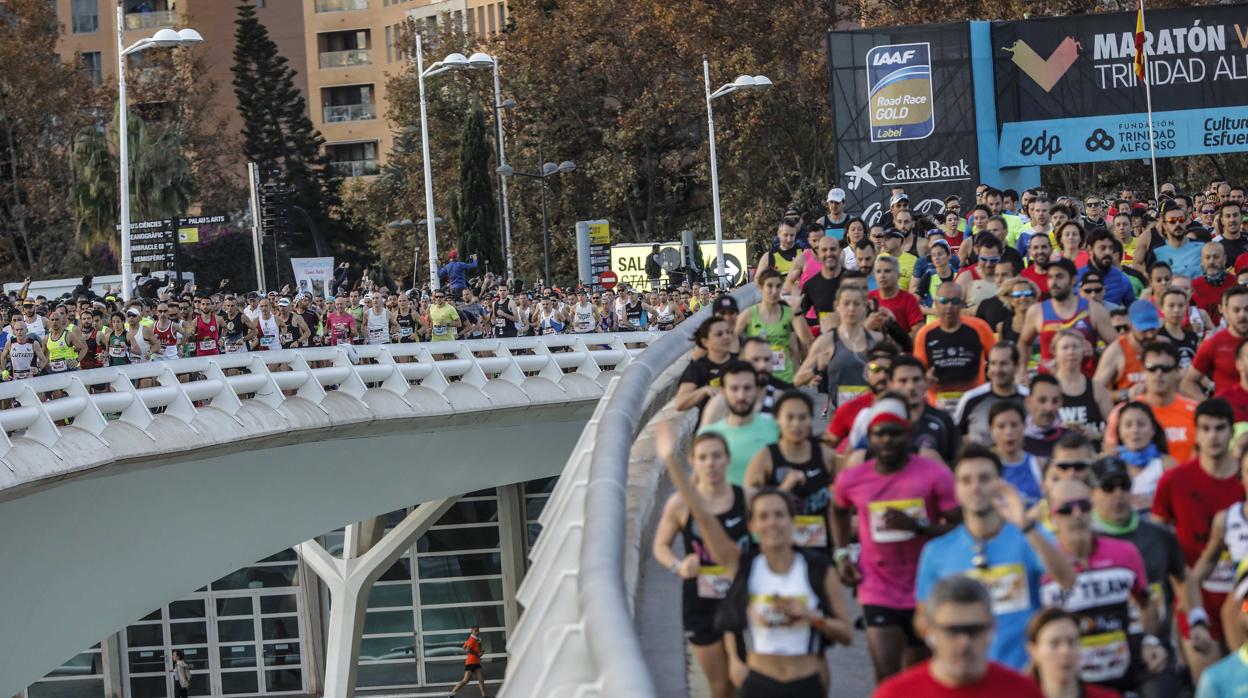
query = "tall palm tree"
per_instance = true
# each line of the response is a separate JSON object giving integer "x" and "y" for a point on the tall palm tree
{"x": 161, "y": 185}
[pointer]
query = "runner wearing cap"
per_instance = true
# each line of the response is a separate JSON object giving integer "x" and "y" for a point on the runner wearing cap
{"x": 1228, "y": 677}
{"x": 894, "y": 240}
{"x": 902, "y": 501}
{"x": 1121, "y": 366}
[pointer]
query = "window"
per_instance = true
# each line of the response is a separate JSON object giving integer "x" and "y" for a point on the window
{"x": 472, "y": 21}
{"x": 86, "y": 16}
{"x": 91, "y": 67}
{"x": 353, "y": 159}
{"x": 389, "y": 44}
{"x": 493, "y": 26}
{"x": 502, "y": 17}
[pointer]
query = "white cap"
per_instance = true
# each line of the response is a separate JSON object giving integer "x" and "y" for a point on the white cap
{"x": 836, "y": 194}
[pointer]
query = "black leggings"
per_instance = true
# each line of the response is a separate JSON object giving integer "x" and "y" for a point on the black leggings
{"x": 758, "y": 686}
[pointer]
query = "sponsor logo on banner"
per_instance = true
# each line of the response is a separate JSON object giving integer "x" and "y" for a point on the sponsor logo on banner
{"x": 899, "y": 92}
{"x": 1045, "y": 71}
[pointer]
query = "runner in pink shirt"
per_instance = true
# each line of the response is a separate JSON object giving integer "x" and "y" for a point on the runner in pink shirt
{"x": 902, "y": 501}
{"x": 340, "y": 324}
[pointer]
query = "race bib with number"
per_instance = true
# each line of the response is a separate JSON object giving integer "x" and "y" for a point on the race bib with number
{"x": 500, "y": 322}
{"x": 914, "y": 508}
{"x": 117, "y": 352}
{"x": 1222, "y": 580}
{"x": 1007, "y": 584}
{"x": 948, "y": 401}
{"x": 1104, "y": 656}
{"x": 713, "y": 582}
{"x": 811, "y": 531}
{"x": 376, "y": 335}
{"x": 779, "y": 359}
{"x": 57, "y": 365}
{"x": 845, "y": 393}
{"x": 207, "y": 344}
{"x": 439, "y": 330}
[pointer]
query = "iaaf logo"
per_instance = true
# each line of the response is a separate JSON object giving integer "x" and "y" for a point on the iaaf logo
{"x": 896, "y": 57}
{"x": 892, "y": 173}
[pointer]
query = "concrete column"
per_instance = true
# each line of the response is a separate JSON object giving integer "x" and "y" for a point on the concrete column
{"x": 349, "y": 580}
{"x": 312, "y": 616}
{"x": 111, "y": 657}
{"x": 513, "y": 536}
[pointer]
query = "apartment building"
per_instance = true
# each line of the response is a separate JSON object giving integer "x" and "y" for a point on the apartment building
{"x": 353, "y": 46}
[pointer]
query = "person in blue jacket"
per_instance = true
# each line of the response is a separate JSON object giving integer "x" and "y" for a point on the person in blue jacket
{"x": 454, "y": 270}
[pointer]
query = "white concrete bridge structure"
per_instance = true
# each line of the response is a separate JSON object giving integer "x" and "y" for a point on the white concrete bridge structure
{"x": 112, "y": 481}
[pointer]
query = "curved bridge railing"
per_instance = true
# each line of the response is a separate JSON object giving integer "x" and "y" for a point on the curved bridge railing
{"x": 577, "y": 635}
{"x": 53, "y": 427}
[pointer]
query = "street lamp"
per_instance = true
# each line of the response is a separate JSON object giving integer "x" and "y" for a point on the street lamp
{"x": 165, "y": 38}
{"x": 549, "y": 169}
{"x": 482, "y": 61}
{"x": 743, "y": 82}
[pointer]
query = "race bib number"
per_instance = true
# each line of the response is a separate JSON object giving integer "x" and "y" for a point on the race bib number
{"x": 914, "y": 508}
{"x": 233, "y": 347}
{"x": 207, "y": 344}
{"x": 376, "y": 335}
{"x": 713, "y": 582}
{"x": 439, "y": 330}
{"x": 1104, "y": 657}
{"x": 287, "y": 338}
{"x": 845, "y": 393}
{"x": 117, "y": 352}
{"x": 500, "y": 322}
{"x": 1222, "y": 580}
{"x": 405, "y": 331}
{"x": 57, "y": 365}
{"x": 267, "y": 341}
{"x": 1007, "y": 584}
{"x": 779, "y": 359}
{"x": 811, "y": 531}
{"x": 948, "y": 401}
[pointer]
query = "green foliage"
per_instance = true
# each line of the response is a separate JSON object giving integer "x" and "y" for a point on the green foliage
{"x": 475, "y": 213}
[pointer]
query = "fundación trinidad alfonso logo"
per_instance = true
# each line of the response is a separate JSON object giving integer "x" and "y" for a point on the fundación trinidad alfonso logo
{"x": 1045, "y": 71}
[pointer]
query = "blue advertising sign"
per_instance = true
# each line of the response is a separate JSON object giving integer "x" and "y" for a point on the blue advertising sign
{"x": 899, "y": 92}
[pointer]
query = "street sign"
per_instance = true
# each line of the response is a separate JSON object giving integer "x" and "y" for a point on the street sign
{"x": 607, "y": 280}
{"x": 156, "y": 244}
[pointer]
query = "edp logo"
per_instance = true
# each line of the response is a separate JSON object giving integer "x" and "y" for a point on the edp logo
{"x": 1043, "y": 144}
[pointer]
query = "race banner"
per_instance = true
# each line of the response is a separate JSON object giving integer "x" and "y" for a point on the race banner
{"x": 903, "y": 109}
{"x": 313, "y": 275}
{"x": 1067, "y": 91}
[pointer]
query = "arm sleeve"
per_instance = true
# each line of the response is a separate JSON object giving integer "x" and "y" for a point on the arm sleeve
{"x": 472, "y": 264}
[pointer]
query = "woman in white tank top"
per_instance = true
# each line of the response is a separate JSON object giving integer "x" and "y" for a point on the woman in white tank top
{"x": 1214, "y": 571}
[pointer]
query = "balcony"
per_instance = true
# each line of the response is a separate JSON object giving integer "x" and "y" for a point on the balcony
{"x": 349, "y": 112}
{"x": 153, "y": 19}
{"x": 346, "y": 59}
{"x": 340, "y": 5}
{"x": 355, "y": 168}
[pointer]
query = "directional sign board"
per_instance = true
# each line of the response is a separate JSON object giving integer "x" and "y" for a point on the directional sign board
{"x": 154, "y": 244}
{"x": 629, "y": 260}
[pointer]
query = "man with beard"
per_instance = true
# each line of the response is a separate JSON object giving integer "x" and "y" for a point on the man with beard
{"x": 1207, "y": 289}
{"x": 745, "y": 432}
{"x": 954, "y": 348}
{"x": 1215, "y": 359}
{"x": 879, "y": 361}
{"x": 935, "y": 435}
{"x": 1039, "y": 251}
{"x": 1121, "y": 366}
{"x": 1118, "y": 289}
{"x": 1044, "y": 427}
{"x": 974, "y": 408}
{"x": 902, "y": 500}
{"x": 1228, "y": 225}
{"x": 819, "y": 291}
{"x": 1064, "y": 310}
{"x": 757, "y": 352}
{"x": 1182, "y": 254}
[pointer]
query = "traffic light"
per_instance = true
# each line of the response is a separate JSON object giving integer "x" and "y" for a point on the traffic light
{"x": 276, "y": 199}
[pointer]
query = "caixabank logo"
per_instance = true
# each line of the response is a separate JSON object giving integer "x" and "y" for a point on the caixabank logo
{"x": 899, "y": 92}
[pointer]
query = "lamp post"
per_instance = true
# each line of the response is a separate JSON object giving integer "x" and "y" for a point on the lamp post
{"x": 165, "y": 38}
{"x": 743, "y": 82}
{"x": 549, "y": 169}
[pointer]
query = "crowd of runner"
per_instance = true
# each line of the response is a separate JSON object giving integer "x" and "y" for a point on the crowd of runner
{"x": 84, "y": 329}
{"x": 1031, "y": 479}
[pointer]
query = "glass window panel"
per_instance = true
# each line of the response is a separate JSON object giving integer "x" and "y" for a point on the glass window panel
{"x": 282, "y": 654}
{"x": 400, "y": 570}
{"x": 452, "y": 644}
{"x": 280, "y": 628}
{"x": 470, "y": 565}
{"x": 236, "y": 630}
{"x": 147, "y": 661}
{"x": 238, "y": 656}
{"x": 470, "y": 512}
{"x": 390, "y": 595}
{"x": 145, "y": 636}
{"x": 287, "y": 555}
{"x": 188, "y": 633}
{"x": 236, "y": 606}
{"x": 534, "y": 531}
{"x": 387, "y": 648}
{"x": 186, "y": 608}
{"x": 389, "y": 674}
{"x": 239, "y": 682}
{"x": 85, "y": 664}
{"x": 463, "y": 617}
{"x": 283, "y": 680}
{"x": 333, "y": 542}
{"x": 448, "y": 672}
{"x": 285, "y": 603}
{"x": 533, "y": 507}
{"x": 80, "y": 688}
{"x": 259, "y": 578}
{"x": 487, "y": 492}
{"x": 199, "y": 684}
{"x": 388, "y": 622}
{"x": 148, "y": 687}
{"x": 467, "y": 591}
{"x": 541, "y": 484}
{"x": 154, "y": 615}
{"x": 196, "y": 657}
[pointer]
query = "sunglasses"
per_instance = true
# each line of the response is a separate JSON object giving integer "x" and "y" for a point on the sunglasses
{"x": 1116, "y": 486}
{"x": 1083, "y": 506}
{"x": 990, "y": 259}
{"x": 970, "y": 630}
{"x": 1093, "y": 289}
{"x": 1092, "y": 203}
{"x": 877, "y": 368}
{"x": 949, "y": 301}
{"x": 1073, "y": 465}
{"x": 1022, "y": 294}
{"x": 1207, "y": 211}
{"x": 1160, "y": 368}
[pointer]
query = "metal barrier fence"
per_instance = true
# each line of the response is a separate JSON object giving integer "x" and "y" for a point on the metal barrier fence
{"x": 55, "y": 425}
{"x": 577, "y": 635}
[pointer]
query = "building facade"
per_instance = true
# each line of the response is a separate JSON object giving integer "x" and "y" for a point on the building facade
{"x": 260, "y": 630}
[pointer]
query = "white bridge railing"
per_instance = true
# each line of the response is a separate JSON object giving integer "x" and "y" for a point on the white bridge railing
{"x": 53, "y": 426}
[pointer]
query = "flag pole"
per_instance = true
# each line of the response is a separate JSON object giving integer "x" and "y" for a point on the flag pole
{"x": 1148, "y": 101}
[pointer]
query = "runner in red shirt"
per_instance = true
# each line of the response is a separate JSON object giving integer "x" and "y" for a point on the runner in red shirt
{"x": 472, "y": 662}
{"x": 879, "y": 360}
{"x": 902, "y": 304}
{"x": 1215, "y": 359}
{"x": 958, "y": 625}
{"x": 1237, "y": 395}
{"x": 1039, "y": 252}
{"x": 1208, "y": 288}
{"x": 1188, "y": 496}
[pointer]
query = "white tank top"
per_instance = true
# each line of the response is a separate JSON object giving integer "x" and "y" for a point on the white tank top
{"x": 22, "y": 356}
{"x": 1235, "y": 533}
{"x": 269, "y": 332}
{"x": 583, "y": 319}
{"x": 1144, "y": 484}
{"x": 378, "y": 326}
{"x": 37, "y": 327}
{"x": 144, "y": 346}
{"x": 778, "y": 636}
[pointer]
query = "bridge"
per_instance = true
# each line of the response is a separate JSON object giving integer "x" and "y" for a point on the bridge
{"x": 112, "y": 481}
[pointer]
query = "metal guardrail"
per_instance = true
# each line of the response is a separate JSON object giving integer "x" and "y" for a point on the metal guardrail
{"x": 52, "y": 426}
{"x": 349, "y": 112}
{"x": 577, "y": 635}
{"x": 152, "y": 19}
{"x": 345, "y": 59}
{"x": 340, "y": 5}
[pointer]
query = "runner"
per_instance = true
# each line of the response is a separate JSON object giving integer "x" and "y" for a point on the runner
{"x": 549, "y": 318}
{"x": 902, "y": 306}
{"x": 118, "y": 341}
{"x": 1007, "y": 420}
{"x": 902, "y": 501}
{"x": 1121, "y": 365}
{"x": 1226, "y": 549}
{"x": 1215, "y": 359}
{"x": 472, "y": 659}
{"x": 788, "y": 335}
{"x": 1176, "y": 326}
{"x": 756, "y": 352}
{"x": 64, "y": 347}
{"x": 744, "y": 432}
{"x": 143, "y": 341}
{"x": 237, "y": 331}
{"x": 444, "y": 319}
{"x": 206, "y": 332}
{"x": 838, "y": 359}
{"x": 972, "y": 415}
{"x": 977, "y": 280}
{"x": 1175, "y": 413}
{"x": 667, "y": 312}
{"x": 340, "y": 325}
{"x": 819, "y": 290}
{"x": 935, "y": 435}
{"x": 782, "y": 258}
{"x": 1064, "y": 310}
{"x": 954, "y": 348}
{"x": 704, "y": 581}
{"x": 167, "y": 332}
{"x": 22, "y": 356}
{"x": 702, "y": 378}
{"x": 1141, "y": 444}
{"x": 268, "y": 329}
{"x": 379, "y": 324}
{"x": 1053, "y": 638}
{"x": 1085, "y": 402}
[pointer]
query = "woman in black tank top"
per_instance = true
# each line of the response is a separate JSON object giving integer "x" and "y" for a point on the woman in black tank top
{"x": 1085, "y": 403}
{"x": 799, "y": 465}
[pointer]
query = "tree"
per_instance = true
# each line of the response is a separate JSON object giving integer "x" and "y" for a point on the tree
{"x": 475, "y": 213}
{"x": 277, "y": 133}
